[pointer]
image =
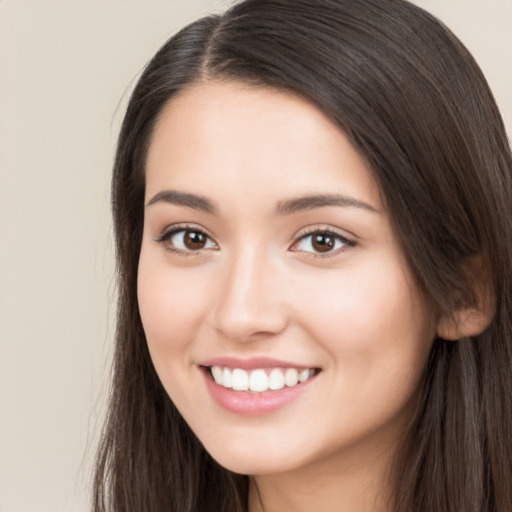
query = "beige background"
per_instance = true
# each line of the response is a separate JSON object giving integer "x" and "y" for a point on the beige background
{"x": 64, "y": 66}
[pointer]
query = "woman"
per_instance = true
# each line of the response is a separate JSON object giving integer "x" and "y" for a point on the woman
{"x": 312, "y": 207}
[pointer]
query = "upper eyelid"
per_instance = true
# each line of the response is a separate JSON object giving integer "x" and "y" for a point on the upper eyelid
{"x": 176, "y": 228}
{"x": 310, "y": 230}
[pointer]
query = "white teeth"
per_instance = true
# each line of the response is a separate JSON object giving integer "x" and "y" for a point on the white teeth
{"x": 276, "y": 379}
{"x": 259, "y": 380}
{"x": 227, "y": 379}
{"x": 217, "y": 374}
{"x": 303, "y": 375}
{"x": 291, "y": 377}
{"x": 240, "y": 380}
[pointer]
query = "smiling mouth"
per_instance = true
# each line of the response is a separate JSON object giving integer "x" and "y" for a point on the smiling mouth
{"x": 260, "y": 380}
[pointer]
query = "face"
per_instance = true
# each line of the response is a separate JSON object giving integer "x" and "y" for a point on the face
{"x": 279, "y": 311}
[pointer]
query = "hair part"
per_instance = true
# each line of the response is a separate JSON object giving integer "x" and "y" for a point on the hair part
{"x": 413, "y": 102}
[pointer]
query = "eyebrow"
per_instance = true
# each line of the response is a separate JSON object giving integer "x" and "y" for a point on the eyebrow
{"x": 287, "y": 207}
{"x": 319, "y": 201}
{"x": 184, "y": 199}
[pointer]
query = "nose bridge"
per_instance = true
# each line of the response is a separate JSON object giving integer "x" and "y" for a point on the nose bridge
{"x": 248, "y": 304}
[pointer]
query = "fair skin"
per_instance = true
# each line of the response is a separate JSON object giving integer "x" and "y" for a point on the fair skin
{"x": 236, "y": 272}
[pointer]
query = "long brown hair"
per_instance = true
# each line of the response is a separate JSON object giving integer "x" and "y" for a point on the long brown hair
{"x": 415, "y": 104}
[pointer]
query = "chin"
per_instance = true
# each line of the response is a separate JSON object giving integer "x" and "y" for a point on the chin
{"x": 254, "y": 461}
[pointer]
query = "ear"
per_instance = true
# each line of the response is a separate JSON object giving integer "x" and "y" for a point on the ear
{"x": 473, "y": 319}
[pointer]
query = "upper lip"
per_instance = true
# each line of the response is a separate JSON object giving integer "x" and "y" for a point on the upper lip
{"x": 252, "y": 363}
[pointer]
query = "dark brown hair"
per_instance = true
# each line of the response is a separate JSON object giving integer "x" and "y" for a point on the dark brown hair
{"x": 414, "y": 103}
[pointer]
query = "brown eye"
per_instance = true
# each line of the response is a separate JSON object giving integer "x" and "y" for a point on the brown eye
{"x": 323, "y": 242}
{"x": 195, "y": 240}
{"x": 183, "y": 240}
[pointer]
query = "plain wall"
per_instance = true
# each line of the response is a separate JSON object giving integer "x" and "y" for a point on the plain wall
{"x": 64, "y": 67}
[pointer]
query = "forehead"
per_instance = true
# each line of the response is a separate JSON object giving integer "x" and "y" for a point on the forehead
{"x": 252, "y": 137}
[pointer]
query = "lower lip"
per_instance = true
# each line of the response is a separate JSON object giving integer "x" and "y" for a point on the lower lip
{"x": 254, "y": 403}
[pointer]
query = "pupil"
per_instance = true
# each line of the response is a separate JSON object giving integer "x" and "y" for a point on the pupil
{"x": 323, "y": 242}
{"x": 194, "y": 240}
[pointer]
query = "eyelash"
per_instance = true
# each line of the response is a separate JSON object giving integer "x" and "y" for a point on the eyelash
{"x": 326, "y": 232}
{"x": 167, "y": 235}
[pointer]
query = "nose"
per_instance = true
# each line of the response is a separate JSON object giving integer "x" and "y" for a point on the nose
{"x": 249, "y": 303}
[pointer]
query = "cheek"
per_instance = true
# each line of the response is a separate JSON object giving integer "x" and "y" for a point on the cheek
{"x": 171, "y": 304}
{"x": 367, "y": 317}
{"x": 377, "y": 337}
